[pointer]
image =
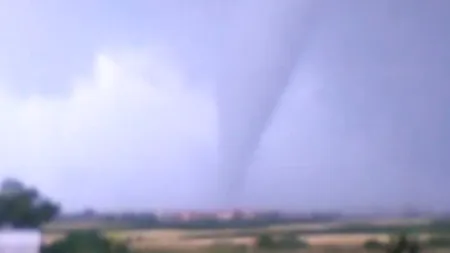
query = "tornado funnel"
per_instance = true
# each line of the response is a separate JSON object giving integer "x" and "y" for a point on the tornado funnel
{"x": 262, "y": 47}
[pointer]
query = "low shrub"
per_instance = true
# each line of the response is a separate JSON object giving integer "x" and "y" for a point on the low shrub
{"x": 403, "y": 243}
{"x": 265, "y": 241}
{"x": 374, "y": 244}
{"x": 286, "y": 241}
{"x": 291, "y": 241}
{"x": 438, "y": 242}
{"x": 85, "y": 241}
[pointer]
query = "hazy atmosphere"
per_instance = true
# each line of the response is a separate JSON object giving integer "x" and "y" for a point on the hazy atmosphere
{"x": 143, "y": 104}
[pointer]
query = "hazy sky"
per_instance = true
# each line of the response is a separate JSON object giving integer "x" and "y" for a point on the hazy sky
{"x": 112, "y": 104}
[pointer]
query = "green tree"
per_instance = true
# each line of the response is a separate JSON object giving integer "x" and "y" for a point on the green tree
{"x": 24, "y": 207}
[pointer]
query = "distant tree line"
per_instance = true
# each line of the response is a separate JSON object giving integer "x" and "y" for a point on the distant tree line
{"x": 149, "y": 220}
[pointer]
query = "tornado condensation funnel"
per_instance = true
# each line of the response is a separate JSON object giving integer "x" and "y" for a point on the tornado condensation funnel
{"x": 262, "y": 46}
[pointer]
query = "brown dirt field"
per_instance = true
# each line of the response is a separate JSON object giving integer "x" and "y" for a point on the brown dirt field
{"x": 187, "y": 244}
{"x": 174, "y": 239}
{"x": 151, "y": 239}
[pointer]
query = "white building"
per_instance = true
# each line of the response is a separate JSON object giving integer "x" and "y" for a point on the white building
{"x": 20, "y": 241}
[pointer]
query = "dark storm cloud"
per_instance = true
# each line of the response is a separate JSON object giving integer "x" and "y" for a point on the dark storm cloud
{"x": 364, "y": 122}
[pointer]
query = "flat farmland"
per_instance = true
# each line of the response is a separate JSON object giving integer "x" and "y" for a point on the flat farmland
{"x": 323, "y": 236}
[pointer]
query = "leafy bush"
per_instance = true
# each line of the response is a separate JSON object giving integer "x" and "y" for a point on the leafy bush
{"x": 291, "y": 241}
{"x": 85, "y": 241}
{"x": 374, "y": 244}
{"x": 265, "y": 241}
{"x": 286, "y": 241}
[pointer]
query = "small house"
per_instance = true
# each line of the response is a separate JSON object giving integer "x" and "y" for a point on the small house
{"x": 20, "y": 241}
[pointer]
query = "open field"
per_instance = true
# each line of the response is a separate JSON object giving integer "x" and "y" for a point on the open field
{"x": 339, "y": 236}
{"x": 174, "y": 241}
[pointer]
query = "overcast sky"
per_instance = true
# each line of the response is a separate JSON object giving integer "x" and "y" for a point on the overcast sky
{"x": 113, "y": 104}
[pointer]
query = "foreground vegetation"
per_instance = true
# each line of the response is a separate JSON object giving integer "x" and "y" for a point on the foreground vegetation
{"x": 85, "y": 241}
{"x": 92, "y": 241}
{"x": 24, "y": 207}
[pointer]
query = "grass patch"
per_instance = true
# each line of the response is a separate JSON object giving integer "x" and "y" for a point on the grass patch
{"x": 438, "y": 242}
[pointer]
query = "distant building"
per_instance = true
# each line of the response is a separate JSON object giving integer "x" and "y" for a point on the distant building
{"x": 233, "y": 215}
{"x": 20, "y": 241}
